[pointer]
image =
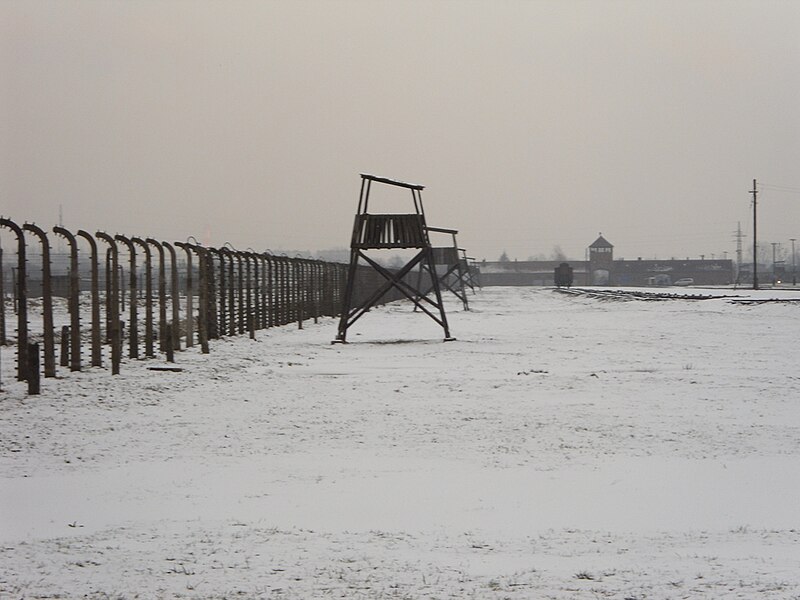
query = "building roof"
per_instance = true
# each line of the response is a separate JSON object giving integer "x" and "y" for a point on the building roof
{"x": 601, "y": 242}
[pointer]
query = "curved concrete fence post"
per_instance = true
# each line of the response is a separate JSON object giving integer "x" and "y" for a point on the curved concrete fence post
{"x": 21, "y": 293}
{"x": 133, "y": 325}
{"x": 250, "y": 319}
{"x": 228, "y": 325}
{"x": 115, "y": 333}
{"x": 242, "y": 321}
{"x": 175, "y": 294}
{"x": 162, "y": 296}
{"x": 2, "y": 303}
{"x": 190, "y": 320}
{"x": 263, "y": 290}
{"x": 149, "y": 350}
{"x": 213, "y": 287}
{"x": 48, "y": 333}
{"x": 270, "y": 277}
{"x": 97, "y": 341}
{"x": 221, "y": 322}
{"x": 74, "y": 300}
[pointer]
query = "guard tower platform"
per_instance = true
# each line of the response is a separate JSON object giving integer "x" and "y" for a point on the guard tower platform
{"x": 390, "y": 231}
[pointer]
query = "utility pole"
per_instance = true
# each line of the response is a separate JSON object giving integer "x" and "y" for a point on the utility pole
{"x": 794, "y": 264}
{"x": 774, "y": 278}
{"x": 755, "y": 235}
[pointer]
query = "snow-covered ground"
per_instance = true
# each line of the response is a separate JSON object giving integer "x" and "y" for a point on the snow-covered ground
{"x": 562, "y": 447}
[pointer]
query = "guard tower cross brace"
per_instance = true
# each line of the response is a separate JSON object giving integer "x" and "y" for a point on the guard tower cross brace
{"x": 390, "y": 231}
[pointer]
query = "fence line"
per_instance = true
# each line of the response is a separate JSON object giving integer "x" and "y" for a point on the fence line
{"x": 212, "y": 292}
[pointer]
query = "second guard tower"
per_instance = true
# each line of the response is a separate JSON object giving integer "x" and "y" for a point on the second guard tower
{"x": 453, "y": 268}
{"x": 391, "y": 231}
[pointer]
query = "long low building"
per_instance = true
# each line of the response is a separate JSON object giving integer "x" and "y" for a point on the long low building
{"x": 602, "y": 269}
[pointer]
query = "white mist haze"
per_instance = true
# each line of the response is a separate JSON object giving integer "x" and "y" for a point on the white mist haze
{"x": 531, "y": 124}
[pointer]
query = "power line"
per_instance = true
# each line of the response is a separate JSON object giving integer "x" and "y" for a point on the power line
{"x": 787, "y": 189}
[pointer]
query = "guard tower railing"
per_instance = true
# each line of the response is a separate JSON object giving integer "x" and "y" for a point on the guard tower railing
{"x": 389, "y": 231}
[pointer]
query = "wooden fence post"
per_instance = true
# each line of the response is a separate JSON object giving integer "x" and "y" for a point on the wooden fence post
{"x": 33, "y": 370}
{"x": 65, "y": 346}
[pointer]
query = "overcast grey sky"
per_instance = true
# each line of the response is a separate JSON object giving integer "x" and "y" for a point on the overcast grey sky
{"x": 530, "y": 123}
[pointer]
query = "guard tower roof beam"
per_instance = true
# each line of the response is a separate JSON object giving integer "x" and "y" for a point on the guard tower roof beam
{"x": 412, "y": 186}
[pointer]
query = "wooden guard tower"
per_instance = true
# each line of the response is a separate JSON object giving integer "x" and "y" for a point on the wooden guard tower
{"x": 471, "y": 269}
{"x": 452, "y": 275}
{"x": 390, "y": 231}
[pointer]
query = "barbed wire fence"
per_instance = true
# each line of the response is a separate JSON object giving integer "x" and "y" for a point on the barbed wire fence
{"x": 119, "y": 295}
